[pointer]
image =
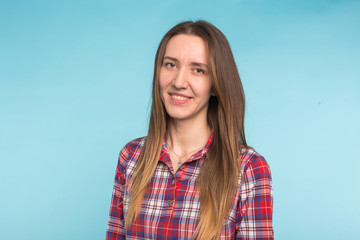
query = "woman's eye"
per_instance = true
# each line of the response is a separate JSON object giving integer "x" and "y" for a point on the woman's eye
{"x": 199, "y": 70}
{"x": 170, "y": 65}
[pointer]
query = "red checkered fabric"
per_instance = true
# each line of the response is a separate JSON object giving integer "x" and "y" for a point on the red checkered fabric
{"x": 170, "y": 209}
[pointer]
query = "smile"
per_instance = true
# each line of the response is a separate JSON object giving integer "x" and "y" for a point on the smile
{"x": 180, "y": 98}
{"x": 177, "y": 99}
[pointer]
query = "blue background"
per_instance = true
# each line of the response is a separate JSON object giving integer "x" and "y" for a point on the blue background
{"x": 75, "y": 83}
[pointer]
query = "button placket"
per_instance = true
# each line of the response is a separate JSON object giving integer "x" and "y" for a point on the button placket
{"x": 173, "y": 183}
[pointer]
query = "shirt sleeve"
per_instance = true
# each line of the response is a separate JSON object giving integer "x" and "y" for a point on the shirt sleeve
{"x": 256, "y": 201}
{"x": 116, "y": 219}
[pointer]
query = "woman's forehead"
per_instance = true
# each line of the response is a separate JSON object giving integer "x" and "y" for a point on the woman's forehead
{"x": 187, "y": 47}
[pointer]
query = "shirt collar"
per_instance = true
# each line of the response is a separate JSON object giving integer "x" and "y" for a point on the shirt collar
{"x": 165, "y": 157}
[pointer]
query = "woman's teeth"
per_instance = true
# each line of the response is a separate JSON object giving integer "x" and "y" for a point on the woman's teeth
{"x": 180, "y": 97}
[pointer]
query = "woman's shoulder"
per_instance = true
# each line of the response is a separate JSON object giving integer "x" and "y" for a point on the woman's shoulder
{"x": 253, "y": 161}
{"x": 132, "y": 149}
{"x": 135, "y": 143}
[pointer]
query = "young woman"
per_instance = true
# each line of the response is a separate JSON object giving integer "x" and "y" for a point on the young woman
{"x": 193, "y": 176}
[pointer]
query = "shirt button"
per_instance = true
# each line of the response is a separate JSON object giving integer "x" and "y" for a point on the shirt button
{"x": 173, "y": 182}
{"x": 171, "y": 203}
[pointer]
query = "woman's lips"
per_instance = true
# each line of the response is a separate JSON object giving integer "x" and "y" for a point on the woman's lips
{"x": 179, "y": 99}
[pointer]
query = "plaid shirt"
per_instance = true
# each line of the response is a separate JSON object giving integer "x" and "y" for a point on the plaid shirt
{"x": 170, "y": 209}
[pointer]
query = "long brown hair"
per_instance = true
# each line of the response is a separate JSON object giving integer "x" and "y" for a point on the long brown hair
{"x": 225, "y": 116}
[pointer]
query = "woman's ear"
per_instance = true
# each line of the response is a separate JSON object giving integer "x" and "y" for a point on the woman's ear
{"x": 213, "y": 92}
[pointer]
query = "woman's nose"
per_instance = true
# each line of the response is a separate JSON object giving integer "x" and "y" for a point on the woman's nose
{"x": 181, "y": 79}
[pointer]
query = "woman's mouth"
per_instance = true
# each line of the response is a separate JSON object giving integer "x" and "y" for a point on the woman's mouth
{"x": 179, "y": 99}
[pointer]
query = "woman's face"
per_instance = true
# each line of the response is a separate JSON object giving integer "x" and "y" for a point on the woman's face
{"x": 184, "y": 78}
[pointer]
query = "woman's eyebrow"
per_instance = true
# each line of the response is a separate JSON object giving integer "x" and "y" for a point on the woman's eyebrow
{"x": 170, "y": 58}
{"x": 199, "y": 64}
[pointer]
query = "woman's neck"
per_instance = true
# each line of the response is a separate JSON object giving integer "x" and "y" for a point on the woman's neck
{"x": 186, "y": 136}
